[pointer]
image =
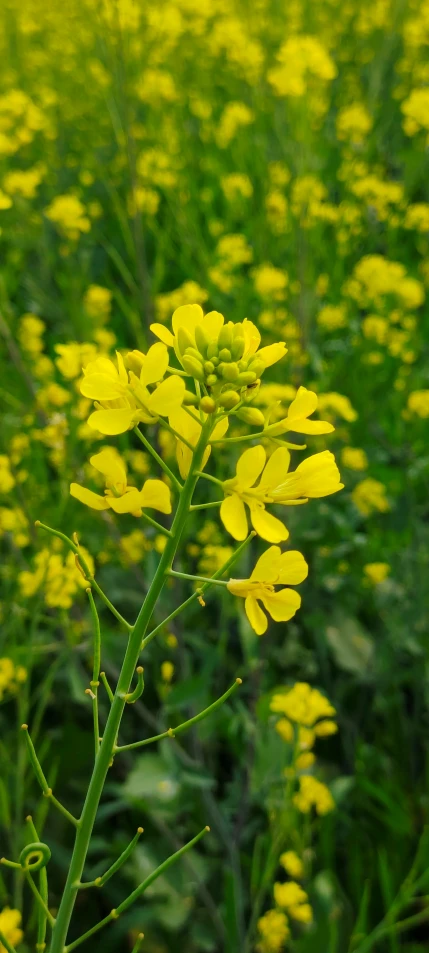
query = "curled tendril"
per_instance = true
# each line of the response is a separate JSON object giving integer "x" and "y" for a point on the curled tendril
{"x": 34, "y": 856}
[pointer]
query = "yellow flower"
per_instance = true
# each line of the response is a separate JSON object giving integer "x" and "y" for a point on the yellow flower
{"x": 305, "y": 403}
{"x": 370, "y": 495}
{"x": 313, "y": 793}
{"x": 316, "y": 476}
{"x": 292, "y": 864}
{"x": 418, "y": 403}
{"x": 124, "y": 399}
{"x": 10, "y": 921}
{"x": 302, "y": 912}
{"x": 302, "y": 704}
{"x": 354, "y": 458}
{"x": 118, "y": 496}
{"x": 167, "y": 671}
{"x": 273, "y": 568}
{"x": 274, "y": 931}
{"x": 7, "y": 480}
{"x": 285, "y": 729}
{"x": 289, "y": 894}
{"x": 98, "y": 302}
{"x": 190, "y": 429}
{"x": 68, "y": 214}
{"x": 376, "y": 572}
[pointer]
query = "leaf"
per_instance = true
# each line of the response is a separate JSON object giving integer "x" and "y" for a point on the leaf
{"x": 351, "y": 646}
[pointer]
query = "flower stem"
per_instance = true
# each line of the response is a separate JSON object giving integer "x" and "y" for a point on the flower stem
{"x": 104, "y": 757}
{"x": 186, "y": 575}
{"x": 100, "y": 881}
{"x": 37, "y": 768}
{"x": 158, "y": 459}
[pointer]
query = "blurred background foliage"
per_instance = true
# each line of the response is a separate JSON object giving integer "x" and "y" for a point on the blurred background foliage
{"x": 270, "y": 161}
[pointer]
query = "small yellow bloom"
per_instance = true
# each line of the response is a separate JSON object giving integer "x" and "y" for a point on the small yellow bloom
{"x": 167, "y": 672}
{"x": 370, "y": 495}
{"x": 285, "y": 729}
{"x": 315, "y": 477}
{"x": 10, "y": 926}
{"x": 274, "y": 931}
{"x": 305, "y": 403}
{"x": 418, "y": 403}
{"x": 292, "y": 864}
{"x": 190, "y": 429}
{"x": 313, "y": 793}
{"x": 354, "y": 458}
{"x": 289, "y": 894}
{"x": 273, "y": 568}
{"x": 376, "y": 572}
{"x": 302, "y": 704}
{"x": 118, "y": 496}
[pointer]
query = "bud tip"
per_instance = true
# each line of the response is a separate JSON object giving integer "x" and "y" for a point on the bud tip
{"x": 140, "y": 830}
{"x": 24, "y": 727}
{"x": 140, "y": 669}
{"x": 207, "y": 828}
{"x": 37, "y": 523}
{"x": 238, "y": 681}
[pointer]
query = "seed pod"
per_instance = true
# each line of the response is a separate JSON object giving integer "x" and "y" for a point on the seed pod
{"x": 257, "y": 367}
{"x": 208, "y": 405}
{"x": 229, "y": 399}
{"x": 193, "y": 367}
{"x": 225, "y": 354}
{"x": 184, "y": 340}
{"x": 212, "y": 350}
{"x": 246, "y": 377}
{"x": 252, "y": 416}
{"x": 190, "y": 399}
{"x": 225, "y": 336}
{"x": 230, "y": 372}
{"x": 211, "y": 380}
{"x": 201, "y": 340}
{"x": 237, "y": 348}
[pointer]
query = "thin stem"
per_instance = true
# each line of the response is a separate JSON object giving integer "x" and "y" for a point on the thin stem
{"x": 44, "y": 893}
{"x": 197, "y": 594}
{"x": 103, "y": 678}
{"x": 132, "y": 697}
{"x": 158, "y": 459}
{"x": 100, "y": 881}
{"x": 95, "y": 669}
{"x": 47, "y": 791}
{"x": 177, "y": 435}
{"x": 39, "y": 898}
{"x": 8, "y": 946}
{"x": 138, "y": 943}
{"x": 172, "y": 732}
{"x": 86, "y": 572}
{"x": 208, "y": 476}
{"x": 155, "y": 524}
{"x": 10, "y": 863}
{"x": 206, "y": 506}
{"x": 85, "y": 936}
{"x": 104, "y": 757}
{"x": 186, "y": 575}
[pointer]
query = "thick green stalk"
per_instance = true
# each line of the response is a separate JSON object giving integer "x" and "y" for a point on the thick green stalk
{"x": 105, "y": 754}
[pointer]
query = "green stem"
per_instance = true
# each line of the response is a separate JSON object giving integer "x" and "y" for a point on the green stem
{"x": 8, "y": 946}
{"x": 132, "y": 697}
{"x": 172, "y": 732}
{"x": 197, "y": 595}
{"x": 177, "y": 435}
{"x": 186, "y": 575}
{"x": 208, "y": 476}
{"x": 206, "y": 506}
{"x": 39, "y": 898}
{"x": 157, "y": 526}
{"x": 100, "y": 881}
{"x": 158, "y": 459}
{"x": 95, "y": 669}
{"x": 103, "y": 678}
{"x": 44, "y": 893}
{"x": 104, "y": 757}
{"x": 47, "y": 791}
{"x": 138, "y": 943}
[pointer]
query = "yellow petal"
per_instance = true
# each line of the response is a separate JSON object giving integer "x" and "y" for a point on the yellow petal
{"x": 112, "y": 422}
{"x": 267, "y": 526}
{"x": 220, "y": 429}
{"x": 276, "y": 468}
{"x": 130, "y": 502}
{"x": 155, "y": 364}
{"x": 91, "y": 499}
{"x": 163, "y": 334}
{"x": 256, "y": 616}
{"x": 185, "y": 425}
{"x": 267, "y": 566}
{"x": 167, "y": 396}
{"x": 252, "y": 337}
{"x": 123, "y": 376}
{"x": 109, "y": 462}
{"x": 187, "y": 316}
{"x": 156, "y": 495}
{"x": 101, "y": 365}
{"x": 319, "y": 475}
{"x": 281, "y": 605}
{"x": 305, "y": 403}
{"x": 272, "y": 353}
{"x": 293, "y": 568}
{"x": 314, "y": 427}
{"x": 101, "y": 387}
{"x": 212, "y": 323}
{"x": 250, "y": 465}
{"x": 233, "y": 516}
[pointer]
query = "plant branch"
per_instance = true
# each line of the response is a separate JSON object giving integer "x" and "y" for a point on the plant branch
{"x": 47, "y": 791}
{"x": 164, "y": 466}
{"x": 100, "y": 881}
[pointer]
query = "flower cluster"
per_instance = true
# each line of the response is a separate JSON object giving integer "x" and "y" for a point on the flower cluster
{"x": 11, "y": 677}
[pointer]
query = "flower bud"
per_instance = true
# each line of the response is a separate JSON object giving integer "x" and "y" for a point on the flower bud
{"x": 225, "y": 354}
{"x": 257, "y": 366}
{"x": 201, "y": 339}
{"x": 193, "y": 352}
{"x": 134, "y": 361}
{"x": 208, "y": 405}
{"x": 209, "y": 367}
{"x": 212, "y": 351}
{"x": 211, "y": 380}
{"x": 246, "y": 377}
{"x": 230, "y": 372}
{"x": 193, "y": 367}
{"x": 225, "y": 336}
{"x": 237, "y": 348}
{"x": 190, "y": 399}
{"x": 184, "y": 340}
{"x": 252, "y": 416}
{"x": 229, "y": 399}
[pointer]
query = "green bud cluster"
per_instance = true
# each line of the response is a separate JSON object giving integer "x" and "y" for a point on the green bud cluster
{"x": 220, "y": 364}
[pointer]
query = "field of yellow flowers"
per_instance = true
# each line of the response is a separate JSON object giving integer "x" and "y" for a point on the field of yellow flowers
{"x": 162, "y": 160}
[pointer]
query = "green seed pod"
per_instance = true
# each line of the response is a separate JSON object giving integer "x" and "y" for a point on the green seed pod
{"x": 201, "y": 340}
{"x": 246, "y": 377}
{"x": 209, "y": 367}
{"x": 193, "y": 367}
{"x": 229, "y": 399}
{"x": 237, "y": 348}
{"x": 230, "y": 372}
{"x": 208, "y": 405}
{"x": 190, "y": 399}
{"x": 252, "y": 416}
{"x": 257, "y": 367}
{"x": 225, "y": 354}
{"x": 211, "y": 380}
{"x": 225, "y": 336}
{"x": 212, "y": 351}
{"x": 184, "y": 340}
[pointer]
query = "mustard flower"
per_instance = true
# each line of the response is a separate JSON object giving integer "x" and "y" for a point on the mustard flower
{"x": 369, "y": 496}
{"x": 10, "y": 926}
{"x": 313, "y": 793}
{"x": 273, "y": 568}
{"x": 118, "y": 496}
{"x": 302, "y": 704}
{"x": 274, "y": 931}
{"x": 376, "y": 572}
{"x": 304, "y": 404}
{"x": 190, "y": 429}
{"x": 292, "y": 864}
{"x": 316, "y": 476}
{"x": 124, "y": 399}
{"x": 289, "y": 894}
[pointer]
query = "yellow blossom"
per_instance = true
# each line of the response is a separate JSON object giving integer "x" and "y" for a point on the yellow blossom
{"x": 418, "y": 403}
{"x": 69, "y": 214}
{"x": 7, "y": 480}
{"x": 274, "y": 931}
{"x": 376, "y": 572}
{"x": 313, "y": 793}
{"x": 11, "y": 677}
{"x": 118, "y": 496}
{"x": 302, "y": 704}
{"x": 292, "y": 864}
{"x": 370, "y": 496}
{"x": 289, "y": 894}
{"x": 316, "y": 476}
{"x": 98, "y": 302}
{"x": 354, "y": 458}
{"x": 273, "y": 568}
{"x": 167, "y": 671}
{"x": 305, "y": 403}
{"x": 10, "y": 926}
